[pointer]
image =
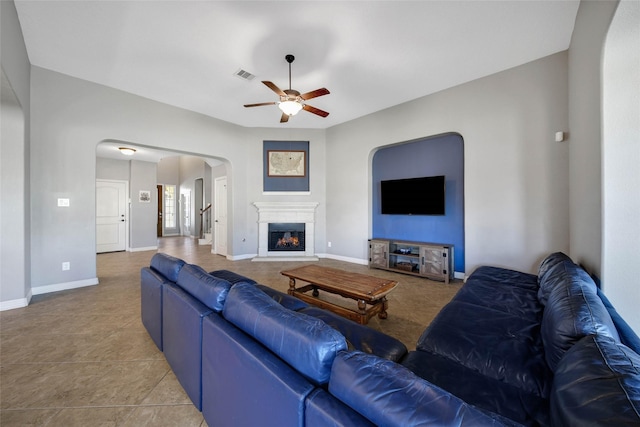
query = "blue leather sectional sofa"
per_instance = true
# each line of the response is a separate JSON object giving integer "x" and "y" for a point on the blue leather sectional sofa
{"x": 509, "y": 349}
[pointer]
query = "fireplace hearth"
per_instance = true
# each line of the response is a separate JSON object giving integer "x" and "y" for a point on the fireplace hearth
{"x": 286, "y": 237}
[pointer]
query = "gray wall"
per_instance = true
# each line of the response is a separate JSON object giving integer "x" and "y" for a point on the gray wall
{"x": 112, "y": 169}
{"x": 15, "y": 262}
{"x": 585, "y": 131}
{"x": 143, "y": 216}
{"x": 317, "y": 181}
{"x": 516, "y": 180}
{"x": 621, "y": 157}
{"x": 13, "y": 284}
{"x": 69, "y": 117}
{"x": 169, "y": 171}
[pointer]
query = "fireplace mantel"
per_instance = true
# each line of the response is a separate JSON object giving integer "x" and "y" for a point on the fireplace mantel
{"x": 292, "y": 212}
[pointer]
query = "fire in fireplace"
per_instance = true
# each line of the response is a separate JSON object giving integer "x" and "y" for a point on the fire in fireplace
{"x": 286, "y": 237}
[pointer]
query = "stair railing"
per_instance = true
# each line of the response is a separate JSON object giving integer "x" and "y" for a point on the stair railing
{"x": 202, "y": 211}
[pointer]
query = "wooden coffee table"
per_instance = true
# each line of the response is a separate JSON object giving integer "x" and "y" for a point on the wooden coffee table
{"x": 369, "y": 292}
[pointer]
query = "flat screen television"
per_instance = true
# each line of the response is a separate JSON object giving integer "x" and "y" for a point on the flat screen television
{"x": 413, "y": 196}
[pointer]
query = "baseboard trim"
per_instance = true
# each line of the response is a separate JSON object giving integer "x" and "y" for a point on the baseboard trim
{"x": 15, "y": 303}
{"x": 64, "y": 286}
{"x": 344, "y": 258}
{"x": 239, "y": 257}
{"x": 143, "y": 249}
{"x": 285, "y": 258}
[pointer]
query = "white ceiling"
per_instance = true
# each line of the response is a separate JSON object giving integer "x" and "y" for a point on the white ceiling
{"x": 371, "y": 55}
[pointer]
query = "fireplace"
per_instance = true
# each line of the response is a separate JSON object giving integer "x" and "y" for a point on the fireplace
{"x": 293, "y": 220}
{"x": 286, "y": 237}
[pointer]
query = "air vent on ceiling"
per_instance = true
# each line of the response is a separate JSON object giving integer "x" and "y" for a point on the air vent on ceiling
{"x": 244, "y": 75}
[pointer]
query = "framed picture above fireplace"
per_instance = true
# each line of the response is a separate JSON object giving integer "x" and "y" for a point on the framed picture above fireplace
{"x": 286, "y": 163}
{"x": 286, "y": 167}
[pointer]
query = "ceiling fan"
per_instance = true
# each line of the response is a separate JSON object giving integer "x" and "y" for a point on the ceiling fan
{"x": 291, "y": 101}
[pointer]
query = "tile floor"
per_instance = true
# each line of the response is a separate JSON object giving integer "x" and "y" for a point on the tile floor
{"x": 82, "y": 357}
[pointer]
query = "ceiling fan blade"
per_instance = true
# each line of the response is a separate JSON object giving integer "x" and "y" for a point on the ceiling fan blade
{"x": 259, "y": 104}
{"x": 284, "y": 118}
{"x": 274, "y": 88}
{"x": 315, "y": 93}
{"x": 315, "y": 110}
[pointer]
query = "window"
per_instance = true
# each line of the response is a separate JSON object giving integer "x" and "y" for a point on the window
{"x": 169, "y": 206}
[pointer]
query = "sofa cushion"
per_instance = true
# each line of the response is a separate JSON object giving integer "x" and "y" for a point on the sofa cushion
{"x": 210, "y": 291}
{"x": 573, "y": 311}
{"x": 549, "y": 274}
{"x": 506, "y": 277}
{"x": 231, "y": 276}
{"x": 505, "y": 290}
{"x": 500, "y": 345}
{"x": 388, "y": 394}
{"x": 285, "y": 300}
{"x": 306, "y": 343}
{"x": 479, "y": 390}
{"x": 360, "y": 337}
{"x": 597, "y": 382}
{"x": 167, "y": 265}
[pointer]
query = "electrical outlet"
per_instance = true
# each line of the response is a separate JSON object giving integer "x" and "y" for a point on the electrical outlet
{"x": 63, "y": 203}
{"x": 66, "y": 266}
{"x": 329, "y": 244}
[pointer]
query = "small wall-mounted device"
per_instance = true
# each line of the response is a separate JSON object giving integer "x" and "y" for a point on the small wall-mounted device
{"x": 63, "y": 203}
{"x": 559, "y": 136}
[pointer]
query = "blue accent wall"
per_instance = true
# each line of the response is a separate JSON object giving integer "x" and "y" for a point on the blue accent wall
{"x": 439, "y": 155}
{"x": 271, "y": 183}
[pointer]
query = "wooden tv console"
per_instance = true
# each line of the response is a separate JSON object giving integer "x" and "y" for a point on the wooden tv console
{"x": 430, "y": 260}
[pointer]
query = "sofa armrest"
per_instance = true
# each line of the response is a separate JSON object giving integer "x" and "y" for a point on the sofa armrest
{"x": 208, "y": 289}
{"x": 167, "y": 265}
{"x": 151, "y": 283}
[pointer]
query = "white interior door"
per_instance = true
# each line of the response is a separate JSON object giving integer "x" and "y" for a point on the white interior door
{"x": 220, "y": 215}
{"x": 111, "y": 216}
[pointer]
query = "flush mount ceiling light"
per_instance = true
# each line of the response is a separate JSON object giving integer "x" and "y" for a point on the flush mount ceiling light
{"x": 291, "y": 101}
{"x": 127, "y": 151}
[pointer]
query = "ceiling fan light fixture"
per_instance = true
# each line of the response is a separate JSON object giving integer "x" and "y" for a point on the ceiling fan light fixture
{"x": 292, "y": 101}
{"x": 290, "y": 108}
{"x": 127, "y": 151}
